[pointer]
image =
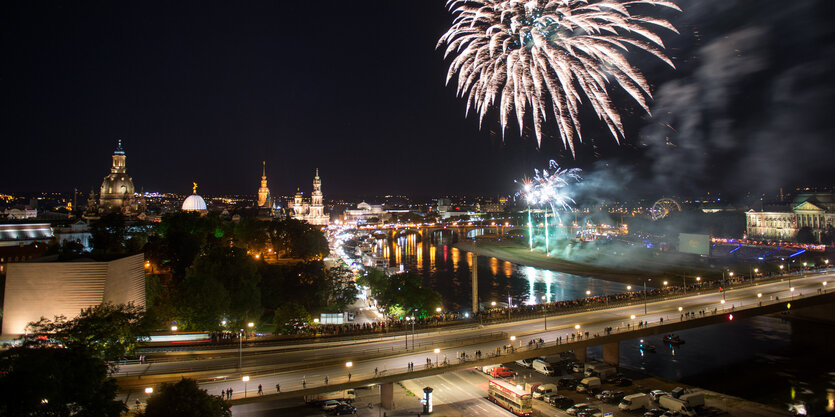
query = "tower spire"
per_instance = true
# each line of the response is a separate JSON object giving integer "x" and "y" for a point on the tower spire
{"x": 263, "y": 168}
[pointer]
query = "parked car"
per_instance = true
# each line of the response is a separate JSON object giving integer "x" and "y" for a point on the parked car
{"x": 656, "y": 394}
{"x": 501, "y": 372}
{"x": 331, "y": 404}
{"x": 590, "y": 412}
{"x": 576, "y": 408}
{"x": 613, "y": 397}
{"x": 560, "y": 401}
{"x": 527, "y": 363}
{"x": 567, "y": 383}
{"x": 344, "y": 409}
{"x": 654, "y": 413}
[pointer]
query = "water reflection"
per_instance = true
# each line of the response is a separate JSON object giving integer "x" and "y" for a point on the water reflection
{"x": 498, "y": 280}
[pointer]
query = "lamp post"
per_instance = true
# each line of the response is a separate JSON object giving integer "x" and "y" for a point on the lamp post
{"x": 699, "y": 282}
{"x": 824, "y": 287}
{"x": 149, "y": 390}
{"x": 240, "y": 348}
{"x": 245, "y": 379}
{"x": 348, "y": 366}
{"x": 437, "y": 351}
{"x": 577, "y": 327}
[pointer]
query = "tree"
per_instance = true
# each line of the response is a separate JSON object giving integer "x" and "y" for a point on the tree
{"x": 401, "y": 292}
{"x": 184, "y": 399}
{"x": 291, "y": 318}
{"x": 45, "y": 381}
{"x": 204, "y": 300}
{"x": 109, "y": 234}
{"x": 805, "y": 235}
{"x": 297, "y": 239}
{"x": 236, "y": 271}
{"x": 107, "y": 331}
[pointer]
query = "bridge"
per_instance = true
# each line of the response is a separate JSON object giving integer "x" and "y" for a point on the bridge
{"x": 301, "y": 370}
{"x": 459, "y": 231}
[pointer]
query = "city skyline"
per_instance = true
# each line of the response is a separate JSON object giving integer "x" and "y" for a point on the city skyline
{"x": 205, "y": 94}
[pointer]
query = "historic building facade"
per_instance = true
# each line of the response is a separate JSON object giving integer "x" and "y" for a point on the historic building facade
{"x": 314, "y": 211}
{"x": 264, "y": 199}
{"x": 117, "y": 193}
{"x": 815, "y": 211}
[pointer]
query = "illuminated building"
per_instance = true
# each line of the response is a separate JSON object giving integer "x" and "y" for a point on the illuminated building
{"x": 782, "y": 222}
{"x": 194, "y": 202}
{"x": 264, "y": 199}
{"x": 117, "y": 190}
{"x": 48, "y": 288}
{"x": 313, "y": 212}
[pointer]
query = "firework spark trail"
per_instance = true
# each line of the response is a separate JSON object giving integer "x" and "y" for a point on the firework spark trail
{"x": 549, "y": 187}
{"x": 546, "y": 56}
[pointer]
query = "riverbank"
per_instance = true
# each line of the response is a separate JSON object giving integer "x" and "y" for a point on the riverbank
{"x": 517, "y": 254}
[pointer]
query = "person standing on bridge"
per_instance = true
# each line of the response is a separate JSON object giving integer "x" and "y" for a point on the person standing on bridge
{"x": 349, "y": 377}
{"x": 260, "y": 390}
{"x": 326, "y": 380}
{"x": 277, "y": 387}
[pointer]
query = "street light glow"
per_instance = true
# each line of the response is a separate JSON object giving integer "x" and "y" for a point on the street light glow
{"x": 349, "y": 364}
{"x": 588, "y": 292}
{"x": 665, "y": 282}
{"x": 680, "y": 308}
{"x": 722, "y": 302}
{"x": 632, "y": 317}
{"x": 438, "y": 310}
{"x": 493, "y": 303}
{"x": 698, "y": 279}
{"x": 512, "y": 338}
{"x": 245, "y": 379}
{"x": 173, "y": 328}
{"x": 628, "y": 288}
{"x": 437, "y": 350}
{"x": 759, "y": 295}
{"x": 250, "y": 324}
{"x": 149, "y": 390}
{"x": 576, "y": 327}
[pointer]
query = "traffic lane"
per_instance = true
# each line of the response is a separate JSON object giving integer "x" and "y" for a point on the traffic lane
{"x": 464, "y": 392}
{"x": 533, "y": 328}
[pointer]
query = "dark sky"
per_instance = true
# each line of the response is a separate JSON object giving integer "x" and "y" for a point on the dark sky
{"x": 203, "y": 91}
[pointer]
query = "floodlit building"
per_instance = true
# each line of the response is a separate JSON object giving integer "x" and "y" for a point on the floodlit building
{"x": 116, "y": 193}
{"x": 264, "y": 199}
{"x": 314, "y": 211}
{"x": 782, "y": 222}
{"x": 365, "y": 213}
{"x": 194, "y": 202}
{"x": 48, "y": 288}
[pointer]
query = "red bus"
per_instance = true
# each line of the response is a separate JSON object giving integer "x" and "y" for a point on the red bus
{"x": 510, "y": 397}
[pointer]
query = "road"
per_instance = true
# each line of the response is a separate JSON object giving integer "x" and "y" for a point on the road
{"x": 309, "y": 367}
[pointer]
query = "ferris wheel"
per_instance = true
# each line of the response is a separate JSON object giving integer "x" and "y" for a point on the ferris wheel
{"x": 663, "y": 207}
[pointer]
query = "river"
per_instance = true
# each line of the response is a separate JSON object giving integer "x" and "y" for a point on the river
{"x": 765, "y": 359}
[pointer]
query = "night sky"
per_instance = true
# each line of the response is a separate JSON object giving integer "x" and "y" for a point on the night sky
{"x": 204, "y": 91}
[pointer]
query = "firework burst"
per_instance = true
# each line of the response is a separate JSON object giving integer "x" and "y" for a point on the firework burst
{"x": 549, "y": 187}
{"x": 547, "y": 56}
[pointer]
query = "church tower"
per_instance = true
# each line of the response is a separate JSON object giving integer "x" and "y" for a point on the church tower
{"x": 264, "y": 192}
{"x": 116, "y": 192}
{"x": 317, "y": 209}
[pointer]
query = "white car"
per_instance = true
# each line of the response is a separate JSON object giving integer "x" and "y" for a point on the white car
{"x": 573, "y": 410}
{"x": 331, "y": 405}
{"x": 656, "y": 394}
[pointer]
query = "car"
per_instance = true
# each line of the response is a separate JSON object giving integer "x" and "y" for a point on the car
{"x": 654, "y": 413}
{"x": 331, "y": 404}
{"x": 656, "y": 394}
{"x": 613, "y": 397}
{"x": 569, "y": 383}
{"x": 527, "y": 363}
{"x": 576, "y": 408}
{"x": 560, "y": 401}
{"x": 602, "y": 394}
{"x": 577, "y": 367}
{"x": 501, "y": 372}
{"x": 590, "y": 412}
{"x": 344, "y": 409}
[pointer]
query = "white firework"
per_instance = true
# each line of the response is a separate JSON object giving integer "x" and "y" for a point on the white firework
{"x": 550, "y": 188}
{"x": 547, "y": 56}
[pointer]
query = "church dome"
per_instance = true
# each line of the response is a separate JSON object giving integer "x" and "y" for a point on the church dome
{"x": 194, "y": 203}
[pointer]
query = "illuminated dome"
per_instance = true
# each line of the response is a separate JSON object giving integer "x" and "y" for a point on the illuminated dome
{"x": 194, "y": 203}
{"x": 116, "y": 188}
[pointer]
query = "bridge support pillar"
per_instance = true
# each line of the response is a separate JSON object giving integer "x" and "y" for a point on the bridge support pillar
{"x": 387, "y": 395}
{"x": 475, "y": 282}
{"x": 611, "y": 353}
{"x": 580, "y": 354}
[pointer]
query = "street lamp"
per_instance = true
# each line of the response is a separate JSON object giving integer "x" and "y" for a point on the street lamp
{"x": 588, "y": 293}
{"x": 577, "y": 327}
{"x": 173, "y": 328}
{"x": 437, "y": 351}
{"x": 240, "y": 348}
{"x": 645, "y": 294}
{"x": 492, "y": 303}
{"x": 245, "y": 379}
{"x": 680, "y": 308}
{"x": 665, "y": 283}
{"x": 348, "y": 366}
{"x": 438, "y": 310}
{"x": 628, "y": 288}
{"x": 824, "y": 287}
{"x": 149, "y": 390}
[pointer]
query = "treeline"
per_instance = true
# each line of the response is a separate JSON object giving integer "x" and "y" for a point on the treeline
{"x": 206, "y": 269}
{"x": 401, "y": 295}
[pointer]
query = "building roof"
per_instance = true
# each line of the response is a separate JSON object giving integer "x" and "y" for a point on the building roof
{"x": 194, "y": 203}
